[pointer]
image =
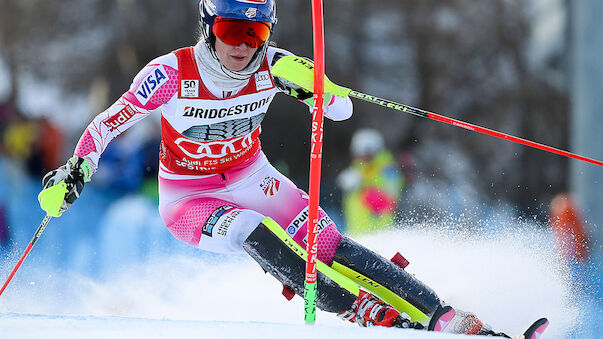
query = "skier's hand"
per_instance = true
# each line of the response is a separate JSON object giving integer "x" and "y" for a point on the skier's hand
{"x": 295, "y": 76}
{"x": 61, "y": 187}
{"x": 300, "y": 93}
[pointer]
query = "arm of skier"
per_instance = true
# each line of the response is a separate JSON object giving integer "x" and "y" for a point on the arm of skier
{"x": 151, "y": 88}
{"x": 336, "y": 108}
{"x": 154, "y": 85}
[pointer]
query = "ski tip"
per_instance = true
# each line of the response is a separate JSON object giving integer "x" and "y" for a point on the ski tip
{"x": 537, "y": 328}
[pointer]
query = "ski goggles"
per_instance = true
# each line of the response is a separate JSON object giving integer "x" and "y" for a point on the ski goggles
{"x": 234, "y": 32}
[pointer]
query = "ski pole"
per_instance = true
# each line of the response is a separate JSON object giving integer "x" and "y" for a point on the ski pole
{"x": 26, "y": 252}
{"x": 433, "y": 116}
{"x": 293, "y": 70}
{"x": 51, "y": 199}
{"x": 310, "y": 285}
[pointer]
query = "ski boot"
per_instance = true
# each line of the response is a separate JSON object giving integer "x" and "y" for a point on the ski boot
{"x": 368, "y": 310}
{"x": 447, "y": 319}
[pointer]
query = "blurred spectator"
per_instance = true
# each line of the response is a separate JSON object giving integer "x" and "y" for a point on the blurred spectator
{"x": 122, "y": 166}
{"x": 19, "y": 138}
{"x": 130, "y": 163}
{"x": 4, "y": 237}
{"x": 47, "y": 152}
{"x": 406, "y": 161}
{"x": 37, "y": 144}
{"x": 150, "y": 152}
{"x": 8, "y": 113}
{"x": 567, "y": 225}
{"x": 371, "y": 185}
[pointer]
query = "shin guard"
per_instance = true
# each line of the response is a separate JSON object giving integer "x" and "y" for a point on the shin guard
{"x": 386, "y": 280}
{"x": 271, "y": 247}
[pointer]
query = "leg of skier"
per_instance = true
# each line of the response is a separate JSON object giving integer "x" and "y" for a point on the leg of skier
{"x": 277, "y": 254}
{"x": 208, "y": 213}
{"x": 221, "y": 226}
{"x": 225, "y": 213}
{"x": 288, "y": 206}
{"x": 370, "y": 267}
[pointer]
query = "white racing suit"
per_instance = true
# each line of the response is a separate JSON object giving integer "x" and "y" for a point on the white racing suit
{"x": 215, "y": 183}
{"x": 216, "y": 187}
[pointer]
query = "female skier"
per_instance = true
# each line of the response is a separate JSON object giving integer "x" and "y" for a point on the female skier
{"x": 218, "y": 192}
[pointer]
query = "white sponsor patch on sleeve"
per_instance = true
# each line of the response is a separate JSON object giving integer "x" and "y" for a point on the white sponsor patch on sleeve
{"x": 150, "y": 84}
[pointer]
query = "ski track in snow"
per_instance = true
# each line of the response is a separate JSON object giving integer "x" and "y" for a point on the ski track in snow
{"x": 508, "y": 280}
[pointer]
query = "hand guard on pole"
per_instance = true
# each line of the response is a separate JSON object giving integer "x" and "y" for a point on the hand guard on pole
{"x": 62, "y": 186}
{"x": 294, "y": 73}
{"x": 297, "y": 90}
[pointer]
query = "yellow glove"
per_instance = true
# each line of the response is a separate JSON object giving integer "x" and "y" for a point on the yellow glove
{"x": 61, "y": 187}
{"x": 295, "y": 76}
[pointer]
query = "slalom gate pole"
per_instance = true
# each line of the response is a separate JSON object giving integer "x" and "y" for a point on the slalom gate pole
{"x": 27, "y": 250}
{"x": 310, "y": 285}
{"x": 475, "y": 128}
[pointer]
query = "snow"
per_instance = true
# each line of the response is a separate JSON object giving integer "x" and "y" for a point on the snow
{"x": 115, "y": 327}
{"x": 509, "y": 279}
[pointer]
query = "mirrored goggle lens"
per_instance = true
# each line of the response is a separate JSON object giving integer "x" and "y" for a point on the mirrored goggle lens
{"x": 235, "y": 31}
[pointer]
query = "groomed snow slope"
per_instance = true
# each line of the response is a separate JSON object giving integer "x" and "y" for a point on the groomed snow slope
{"x": 509, "y": 280}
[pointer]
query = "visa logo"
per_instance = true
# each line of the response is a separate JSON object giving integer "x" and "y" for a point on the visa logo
{"x": 151, "y": 84}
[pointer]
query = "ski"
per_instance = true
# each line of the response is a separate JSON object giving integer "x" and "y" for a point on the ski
{"x": 533, "y": 332}
{"x": 536, "y": 330}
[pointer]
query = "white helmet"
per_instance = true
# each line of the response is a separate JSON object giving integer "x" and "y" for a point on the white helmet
{"x": 366, "y": 142}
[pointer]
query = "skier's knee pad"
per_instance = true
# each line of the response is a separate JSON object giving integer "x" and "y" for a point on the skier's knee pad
{"x": 212, "y": 224}
{"x": 375, "y": 272}
{"x": 280, "y": 260}
{"x": 226, "y": 229}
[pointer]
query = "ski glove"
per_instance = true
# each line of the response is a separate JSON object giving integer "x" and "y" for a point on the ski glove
{"x": 301, "y": 94}
{"x": 61, "y": 187}
{"x": 295, "y": 76}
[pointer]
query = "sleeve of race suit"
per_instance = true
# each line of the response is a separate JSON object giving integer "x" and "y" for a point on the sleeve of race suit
{"x": 336, "y": 109}
{"x": 154, "y": 85}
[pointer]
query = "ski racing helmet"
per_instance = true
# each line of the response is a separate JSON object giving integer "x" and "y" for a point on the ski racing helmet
{"x": 238, "y": 21}
{"x": 366, "y": 142}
